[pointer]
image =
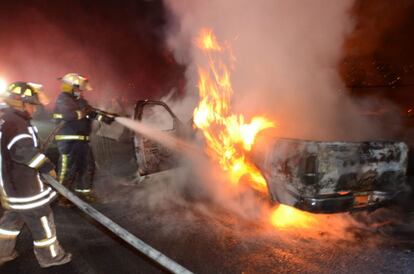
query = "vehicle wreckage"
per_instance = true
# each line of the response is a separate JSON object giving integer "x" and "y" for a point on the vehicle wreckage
{"x": 315, "y": 176}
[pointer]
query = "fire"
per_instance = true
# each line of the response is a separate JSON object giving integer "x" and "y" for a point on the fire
{"x": 289, "y": 217}
{"x": 208, "y": 41}
{"x": 229, "y": 136}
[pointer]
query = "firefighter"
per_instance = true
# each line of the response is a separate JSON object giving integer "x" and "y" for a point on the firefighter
{"x": 76, "y": 163}
{"x": 24, "y": 196}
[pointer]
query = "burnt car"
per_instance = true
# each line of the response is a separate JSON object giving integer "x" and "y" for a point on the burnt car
{"x": 329, "y": 177}
{"x": 315, "y": 176}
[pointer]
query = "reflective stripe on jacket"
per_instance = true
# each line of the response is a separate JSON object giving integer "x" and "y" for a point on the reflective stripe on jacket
{"x": 69, "y": 109}
{"x": 21, "y": 161}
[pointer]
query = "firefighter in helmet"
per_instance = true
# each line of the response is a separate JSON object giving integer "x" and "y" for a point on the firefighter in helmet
{"x": 76, "y": 163}
{"x": 24, "y": 196}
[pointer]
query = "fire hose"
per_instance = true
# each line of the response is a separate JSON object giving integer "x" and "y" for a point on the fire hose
{"x": 122, "y": 233}
{"x": 51, "y": 136}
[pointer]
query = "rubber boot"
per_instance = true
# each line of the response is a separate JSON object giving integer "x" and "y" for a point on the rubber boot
{"x": 7, "y": 250}
{"x": 52, "y": 255}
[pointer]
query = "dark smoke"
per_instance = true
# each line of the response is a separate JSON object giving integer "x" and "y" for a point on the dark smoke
{"x": 118, "y": 45}
{"x": 378, "y": 56}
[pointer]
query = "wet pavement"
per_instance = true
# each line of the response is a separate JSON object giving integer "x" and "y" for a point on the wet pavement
{"x": 206, "y": 237}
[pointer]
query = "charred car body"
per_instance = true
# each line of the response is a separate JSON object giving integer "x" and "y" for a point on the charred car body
{"x": 329, "y": 177}
{"x": 315, "y": 176}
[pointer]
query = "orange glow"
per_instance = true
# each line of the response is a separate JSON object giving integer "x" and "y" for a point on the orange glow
{"x": 208, "y": 41}
{"x": 284, "y": 217}
{"x": 3, "y": 86}
{"x": 229, "y": 136}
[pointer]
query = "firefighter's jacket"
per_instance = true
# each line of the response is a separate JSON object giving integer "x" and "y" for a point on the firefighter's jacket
{"x": 70, "y": 109}
{"x": 21, "y": 187}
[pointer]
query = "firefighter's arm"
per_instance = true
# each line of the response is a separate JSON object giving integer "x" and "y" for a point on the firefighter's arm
{"x": 23, "y": 151}
{"x": 68, "y": 112}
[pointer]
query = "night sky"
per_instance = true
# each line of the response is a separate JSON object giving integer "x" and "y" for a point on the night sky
{"x": 379, "y": 56}
{"x": 120, "y": 45}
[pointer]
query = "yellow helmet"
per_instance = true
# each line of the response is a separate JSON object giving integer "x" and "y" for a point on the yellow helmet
{"x": 73, "y": 81}
{"x": 18, "y": 93}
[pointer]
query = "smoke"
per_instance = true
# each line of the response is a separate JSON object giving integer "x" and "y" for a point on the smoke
{"x": 287, "y": 68}
{"x": 287, "y": 54}
{"x": 377, "y": 19}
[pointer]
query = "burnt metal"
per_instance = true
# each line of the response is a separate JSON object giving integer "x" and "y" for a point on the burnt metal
{"x": 315, "y": 175}
{"x": 151, "y": 156}
{"x": 326, "y": 203}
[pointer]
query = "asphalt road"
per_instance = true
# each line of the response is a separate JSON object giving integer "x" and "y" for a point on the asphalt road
{"x": 206, "y": 237}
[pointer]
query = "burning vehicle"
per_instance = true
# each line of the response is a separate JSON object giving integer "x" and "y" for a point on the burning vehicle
{"x": 310, "y": 175}
{"x": 314, "y": 176}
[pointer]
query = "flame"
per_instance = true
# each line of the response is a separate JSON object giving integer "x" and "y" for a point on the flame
{"x": 208, "y": 41}
{"x": 289, "y": 217}
{"x": 229, "y": 136}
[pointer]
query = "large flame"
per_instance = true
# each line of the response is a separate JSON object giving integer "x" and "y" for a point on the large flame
{"x": 229, "y": 136}
{"x": 284, "y": 217}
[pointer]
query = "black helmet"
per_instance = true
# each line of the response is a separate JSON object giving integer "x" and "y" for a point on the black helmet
{"x": 23, "y": 92}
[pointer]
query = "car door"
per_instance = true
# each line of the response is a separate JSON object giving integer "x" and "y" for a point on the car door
{"x": 152, "y": 156}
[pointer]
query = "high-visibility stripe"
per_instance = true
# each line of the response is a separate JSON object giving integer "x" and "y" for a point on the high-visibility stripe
{"x": 46, "y": 227}
{"x": 71, "y": 137}
{"x": 41, "y": 185}
{"x": 63, "y": 167}
{"x": 45, "y": 242}
{"x": 48, "y": 232}
{"x": 37, "y": 160}
{"x": 3, "y": 191}
{"x": 17, "y": 138}
{"x": 34, "y": 204}
{"x": 52, "y": 249}
{"x": 83, "y": 190}
{"x": 29, "y": 199}
{"x": 57, "y": 116}
{"x": 31, "y": 130}
{"x": 9, "y": 232}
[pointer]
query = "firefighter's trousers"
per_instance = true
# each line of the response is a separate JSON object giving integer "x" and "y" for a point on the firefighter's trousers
{"x": 76, "y": 165}
{"x": 42, "y": 227}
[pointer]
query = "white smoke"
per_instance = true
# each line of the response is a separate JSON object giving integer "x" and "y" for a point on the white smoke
{"x": 287, "y": 55}
{"x": 287, "y": 61}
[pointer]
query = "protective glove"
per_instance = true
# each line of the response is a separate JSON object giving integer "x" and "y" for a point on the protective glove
{"x": 53, "y": 174}
{"x": 92, "y": 114}
{"x": 89, "y": 112}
